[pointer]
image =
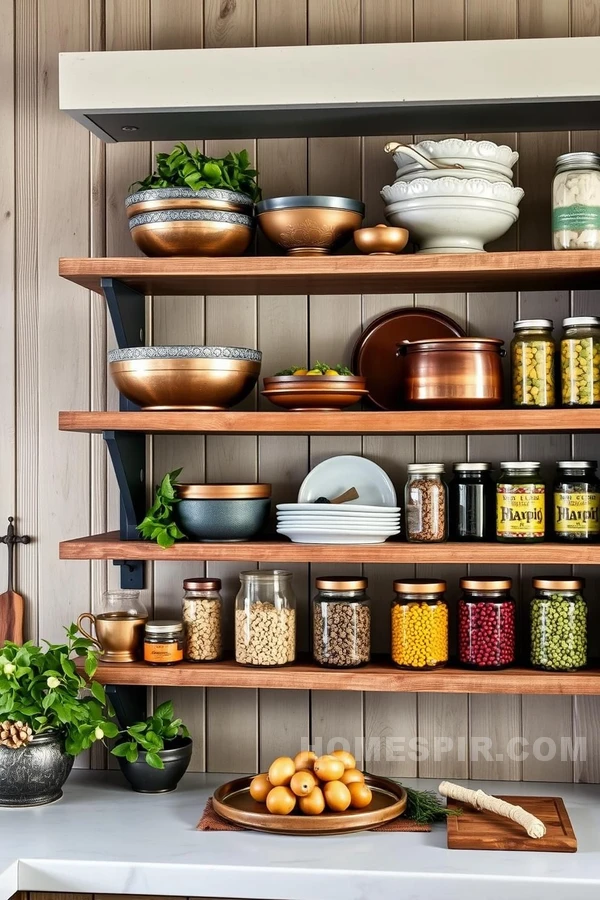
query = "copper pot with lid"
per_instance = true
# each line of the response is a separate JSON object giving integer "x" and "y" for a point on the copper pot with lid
{"x": 453, "y": 373}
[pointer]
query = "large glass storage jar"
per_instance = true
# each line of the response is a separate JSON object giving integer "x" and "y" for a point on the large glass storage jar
{"x": 576, "y": 202}
{"x": 472, "y": 499}
{"x": 576, "y": 501}
{"x": 341, "y": 622}
{"x": 265, "y": 619}
{"x": 520, "y": 503}
{"x": 558, "y": 624}
{"x": 486, "y": 623}
{"x": 425, "y": 499}
{"x": 419, "y": 624}
{"x": 532, "y": 363}
{"x": 580, "y": 361}
{"x": 202, "y": 613}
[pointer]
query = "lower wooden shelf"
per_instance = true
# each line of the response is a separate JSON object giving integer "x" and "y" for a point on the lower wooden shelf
{"x": 108, "y": 546}
{"x": 377, "y": 676}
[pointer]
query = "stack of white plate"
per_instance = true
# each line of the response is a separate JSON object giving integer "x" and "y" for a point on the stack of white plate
{"x": 323, "y": 523}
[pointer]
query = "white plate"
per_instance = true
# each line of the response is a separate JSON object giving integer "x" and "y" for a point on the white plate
{"x": 322, "y": 529}
{"x": 329, "y": 508}
{"x": 325, "y": 536}
{"x": 334, "y": 476}
{"x": 348, "y": 517}
{"x": 338, "y": 526}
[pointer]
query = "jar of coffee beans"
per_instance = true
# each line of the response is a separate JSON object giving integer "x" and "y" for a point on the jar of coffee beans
{"x": 419, "y": 624}
{"x": 202, "y": 612}
{"x": 486, "y": 623}
{"x": 558, "y": 624}
{"x": 265, "y": 619}
{"x": 425, "y": 498}
{"x": 341, "y": 622}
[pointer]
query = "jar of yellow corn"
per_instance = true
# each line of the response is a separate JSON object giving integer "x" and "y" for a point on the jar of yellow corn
{"x": 419, "y": 624}
{"x": 580, "y": 361}
{"x": 532, "y": 363}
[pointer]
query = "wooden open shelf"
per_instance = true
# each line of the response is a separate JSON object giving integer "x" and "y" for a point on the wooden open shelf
{"x": 108, "y": 546}
{"x": 281, "y": 275}
{"x": 377, "y": 676}
{"x": 482, "y": 421}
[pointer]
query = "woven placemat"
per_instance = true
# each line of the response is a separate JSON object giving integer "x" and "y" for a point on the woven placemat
{"x": 210, "y": 821}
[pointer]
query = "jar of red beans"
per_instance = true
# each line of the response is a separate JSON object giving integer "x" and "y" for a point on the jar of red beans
{"x": 486, "y": 623}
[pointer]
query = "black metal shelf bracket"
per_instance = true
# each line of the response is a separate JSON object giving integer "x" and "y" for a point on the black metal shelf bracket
{"x": 127, "y": 452}
{"x": 127, "y": 308}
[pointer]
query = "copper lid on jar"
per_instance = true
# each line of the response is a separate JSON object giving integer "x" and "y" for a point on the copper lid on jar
{"x": 223, "y": 491}
{"x": 341, "y": 583}
{"x": 202, "y": 584}
{"x": 486, "y": 583}
{"x": 419, "y": 586}
{"x": 558, "y": 584}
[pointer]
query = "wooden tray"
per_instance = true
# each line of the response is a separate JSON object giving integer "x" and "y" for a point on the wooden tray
{"x": 474, "y": 830}
{"x": 232, "y": 801}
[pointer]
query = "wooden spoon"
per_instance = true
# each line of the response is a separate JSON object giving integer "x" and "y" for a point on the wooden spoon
{"x": 11, "y": 603}
{"x": 350, "y": 494}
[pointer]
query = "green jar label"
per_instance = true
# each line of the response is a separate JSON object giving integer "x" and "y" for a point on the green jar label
{"x": 576, "y": 513}
{"x": 577, "y": 217}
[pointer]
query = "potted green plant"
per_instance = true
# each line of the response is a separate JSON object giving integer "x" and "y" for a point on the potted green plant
{"x": 167, "y": 750}
{"x": 194, "y": 205}
{"x": 49, "y": 713}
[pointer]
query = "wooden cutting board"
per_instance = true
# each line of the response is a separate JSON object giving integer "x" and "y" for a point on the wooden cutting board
{"x": 474, "y": 830}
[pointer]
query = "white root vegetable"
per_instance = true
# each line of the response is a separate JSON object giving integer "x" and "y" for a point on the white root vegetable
{"x": 480, "y": 800}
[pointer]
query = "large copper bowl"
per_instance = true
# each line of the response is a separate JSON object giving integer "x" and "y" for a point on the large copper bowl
{"x": 453, "y": 373}
{"x": 180, "y": 382}
{"x": 182, "y": 222}
{"x": 312, "y": 225}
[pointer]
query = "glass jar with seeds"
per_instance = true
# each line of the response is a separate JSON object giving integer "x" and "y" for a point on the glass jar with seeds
{"x": 341, "y": 622}
{"x": 425, "y": 498}
{"x": 202, "y": 619}
{"x": 580, "y": 361}
{"x": 558, "y": 617}
{"x": 532, "y": 363}
{"x": 265, "y": 619}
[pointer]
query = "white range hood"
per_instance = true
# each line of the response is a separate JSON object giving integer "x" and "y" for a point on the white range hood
{"x": 352, "y": 89}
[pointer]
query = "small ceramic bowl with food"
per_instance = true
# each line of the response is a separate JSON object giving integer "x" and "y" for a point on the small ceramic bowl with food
{"x": 319, "y": 389}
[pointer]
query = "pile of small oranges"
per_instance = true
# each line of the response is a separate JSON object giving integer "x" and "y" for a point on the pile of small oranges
{"x": 312, "y": 784}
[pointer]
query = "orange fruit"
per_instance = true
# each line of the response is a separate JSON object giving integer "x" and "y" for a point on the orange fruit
{"x": 337, "y": 796}
{"x": 260, "y": 787}
{"x": 360, "y": 795}
{"x": 346, "y": 757}
{"x": 305, "y": 760}
{"x": 281, "y": 801}
{"x": 314, "y": 804}
{"x": 281, "y": 771}
{"x": 303, "y": 783}
{"x": 352, "y": 775}
{"x": 328, "y": 768}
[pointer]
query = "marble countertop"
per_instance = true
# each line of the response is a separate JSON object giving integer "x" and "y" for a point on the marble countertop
{"x": 103, "y": 838}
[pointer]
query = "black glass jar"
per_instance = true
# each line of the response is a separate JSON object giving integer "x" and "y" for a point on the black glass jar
{"x": 472, "y": 495}
{"x": 576, "y": 501}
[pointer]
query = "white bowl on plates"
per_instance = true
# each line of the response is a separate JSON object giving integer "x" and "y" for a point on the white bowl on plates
{"x": 335, "y": 475}
{"x": 457, "y": 224}
{"x": 450, "y": 186}
{"x": 464, "y": 152}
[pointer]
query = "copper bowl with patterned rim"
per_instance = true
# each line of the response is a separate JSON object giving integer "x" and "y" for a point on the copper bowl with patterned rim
{"x": 153, "y": 199}
{"x": 299, "y": 393}
{"x": 310, "y": 225}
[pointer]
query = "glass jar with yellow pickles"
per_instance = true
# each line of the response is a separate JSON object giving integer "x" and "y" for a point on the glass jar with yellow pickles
{"x": 419, "y": 624}
{"x": 532, "y": 363}
{"x": 580, "y": 361}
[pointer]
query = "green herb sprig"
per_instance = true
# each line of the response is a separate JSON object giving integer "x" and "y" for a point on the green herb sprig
{"x": 151, "y": 736}
{"x": 425, "y": 807}
{"x": 158, "y": 524}
{"x": 183, "y": 167}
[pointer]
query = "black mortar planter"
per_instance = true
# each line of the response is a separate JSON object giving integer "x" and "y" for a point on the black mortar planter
{"x": 147, "y": 780}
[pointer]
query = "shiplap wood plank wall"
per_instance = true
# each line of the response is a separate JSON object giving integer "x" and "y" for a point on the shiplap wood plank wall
{"x": 60, "y": 486}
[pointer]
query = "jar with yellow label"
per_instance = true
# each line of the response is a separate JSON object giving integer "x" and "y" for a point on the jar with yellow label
{"x": 577, "y": 501}
{"x": 580, "y": 361}
{"x": 163, "y": 642}
{"x": 532, "y": 363}
{"x": 520, "y": 503}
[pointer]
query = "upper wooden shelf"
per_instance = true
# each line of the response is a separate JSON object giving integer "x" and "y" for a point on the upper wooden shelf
{"x": 377, "y": 676}
{"x": 409, "y": 273}
{"x": 108, "y": 546}
{"x": 482, "y": 421}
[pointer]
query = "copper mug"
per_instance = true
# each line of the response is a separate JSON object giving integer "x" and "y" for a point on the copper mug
{"x": 119, "y": 635}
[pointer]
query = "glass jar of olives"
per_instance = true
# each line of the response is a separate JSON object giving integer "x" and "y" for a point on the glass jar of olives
{"x": 558, "y": 618}
{"x": 532, "y": 363}
{"x": 580, "y": 361}
{"x": 576, "y": 501}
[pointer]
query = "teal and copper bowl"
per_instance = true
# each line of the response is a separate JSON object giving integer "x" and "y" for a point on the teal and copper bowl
{"x": 223, "y": 512}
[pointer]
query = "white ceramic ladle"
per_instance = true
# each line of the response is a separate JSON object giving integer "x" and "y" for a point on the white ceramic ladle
{"x": 409, "y": 150}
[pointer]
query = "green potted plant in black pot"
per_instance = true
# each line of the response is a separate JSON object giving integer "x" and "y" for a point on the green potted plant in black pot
{"x": 154, "y": 755}
{"x": 49, "y": 713}
{"x": 194, "y": 205}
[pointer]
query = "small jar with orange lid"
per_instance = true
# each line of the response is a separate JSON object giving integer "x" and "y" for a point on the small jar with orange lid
{"x": 419, "y": 624}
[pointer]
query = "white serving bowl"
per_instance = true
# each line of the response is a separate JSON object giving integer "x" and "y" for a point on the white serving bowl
{"x": 463, "y": 152}
{"x": 457, "y": 224}
{"x": 450, "y": 186}
{"x": 471, "y": 169}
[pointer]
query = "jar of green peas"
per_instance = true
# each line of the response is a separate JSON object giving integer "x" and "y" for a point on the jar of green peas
{"x": 558, "y": 618}
{"x": 580, "y": 361}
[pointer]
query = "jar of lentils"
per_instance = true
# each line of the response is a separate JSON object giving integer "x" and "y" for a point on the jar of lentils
{"x": 202, "y": 613}
{"x": 419, "y": 624}
{"x": 341, "y": 622}
{"x": 425, "y": 498}
{"x": 532, "y": 363}
{"x": 577, "y": 501}
{"x": 265, "y": 619}
{"x": 580, "y": 361}
{"x": 558, "y": 624}
{"x": 472, "y": 496}
{"x": 520, "y": 503}
{"x": 576, "y": 202}
{"x": 486, "y": 623}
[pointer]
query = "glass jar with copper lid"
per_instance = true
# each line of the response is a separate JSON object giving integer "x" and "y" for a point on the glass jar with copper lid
{"x": 222, "y": 512}
{"x": 341, "y": 622}
{"x": 419, "y": 624}
{"x": 486, "y": 623}
{"x": 265, "y": 619}
{"x": 558, "y": 616}
{"x": 202, "y": 613}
